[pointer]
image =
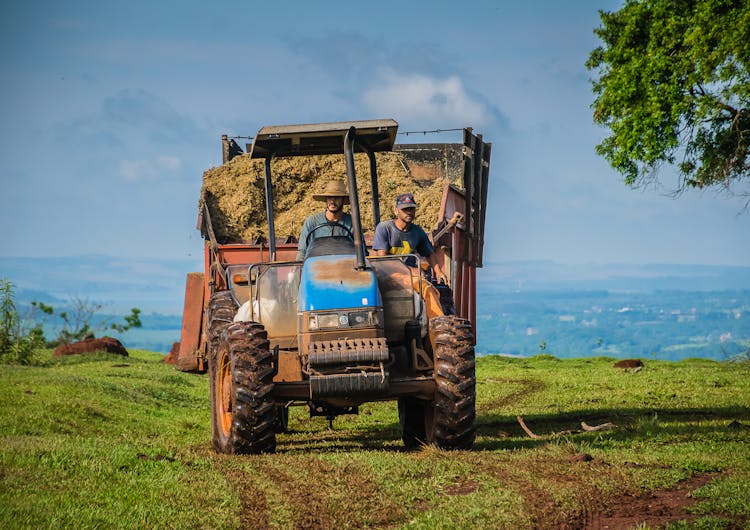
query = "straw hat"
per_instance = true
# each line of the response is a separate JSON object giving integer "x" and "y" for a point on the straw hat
{"x": 334, "y": 188}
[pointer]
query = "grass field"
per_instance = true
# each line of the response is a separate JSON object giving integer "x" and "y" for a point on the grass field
{"x": 101, "y": 441}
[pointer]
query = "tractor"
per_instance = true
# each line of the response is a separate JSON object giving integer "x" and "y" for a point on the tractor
{"x": 340, "y": 327}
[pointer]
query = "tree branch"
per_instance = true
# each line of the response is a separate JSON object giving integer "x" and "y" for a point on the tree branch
{"x": 584, "y": 426}
{"x": 526, "y": 429}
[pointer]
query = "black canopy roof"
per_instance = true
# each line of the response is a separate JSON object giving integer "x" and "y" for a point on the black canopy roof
{"x": 323, "y": 138}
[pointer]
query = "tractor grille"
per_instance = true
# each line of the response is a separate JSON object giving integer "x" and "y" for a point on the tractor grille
{"x": 351, "y": 351}
{"x": 348, "y": 367}
{"x": 349, "y": 384}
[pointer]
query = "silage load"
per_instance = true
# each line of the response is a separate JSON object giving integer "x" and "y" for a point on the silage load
{"x": 234, "y": 193}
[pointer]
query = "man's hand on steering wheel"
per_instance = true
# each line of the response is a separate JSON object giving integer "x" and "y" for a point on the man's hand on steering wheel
{"x": 333, "y": 225}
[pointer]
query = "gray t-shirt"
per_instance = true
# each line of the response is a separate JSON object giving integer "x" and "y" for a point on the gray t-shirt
{"x": 414, "y": 240}
{"x": 318, "y": 219}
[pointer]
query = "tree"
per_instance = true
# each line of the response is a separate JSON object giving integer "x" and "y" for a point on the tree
{"x": 673, "y": 86}
{"x": 21, "y": 338}
{"x": 78, "y": 320}
{"x": 16, "y": 344}
{"x": 8, "y": 317}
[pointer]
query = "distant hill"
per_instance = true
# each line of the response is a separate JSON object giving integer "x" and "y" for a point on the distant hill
{"x": 118, "y": 283}
{"x": 158, "y": 284}
{"x": 548, "y": 275}
{"x": 520, "y": 304}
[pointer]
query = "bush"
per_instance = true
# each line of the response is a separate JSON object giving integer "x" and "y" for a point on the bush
{"x": 16, "y": 345}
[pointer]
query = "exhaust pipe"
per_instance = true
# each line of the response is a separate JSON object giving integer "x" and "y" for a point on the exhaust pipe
{"x": 269, "y": 211}
{"x": 351, "y": 177}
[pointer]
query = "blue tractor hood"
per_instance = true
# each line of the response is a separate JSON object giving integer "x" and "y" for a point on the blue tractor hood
{"x": 332, "y": 282}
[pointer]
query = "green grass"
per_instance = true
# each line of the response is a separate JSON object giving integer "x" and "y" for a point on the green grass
{"x": 101, "y": 441}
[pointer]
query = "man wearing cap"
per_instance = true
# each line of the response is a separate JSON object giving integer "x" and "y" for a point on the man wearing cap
{"x": 402, "y": 236}
{"x": 335, "y": 196}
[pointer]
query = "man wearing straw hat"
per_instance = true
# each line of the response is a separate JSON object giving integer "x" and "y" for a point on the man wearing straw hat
{"x": 335, "y": 196}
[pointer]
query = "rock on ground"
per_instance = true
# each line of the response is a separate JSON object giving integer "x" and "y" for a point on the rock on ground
{"x": 171, "y": 357}
{"x": 629, "y": 363}
{"x": 105, "y": 344}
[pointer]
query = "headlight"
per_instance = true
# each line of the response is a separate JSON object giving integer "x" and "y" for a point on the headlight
{"x": 330, "y": 320}
{"x": 360, "y": 318}
{"x": 352, "y": 319}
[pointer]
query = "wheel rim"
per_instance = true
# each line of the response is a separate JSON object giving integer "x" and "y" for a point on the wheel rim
{"x": 224, "y": 394}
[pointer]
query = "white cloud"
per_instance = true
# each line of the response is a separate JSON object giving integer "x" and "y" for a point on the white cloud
{"x": 424, "y": 100}
{"x": 134, "y": 170}
{"x": 130, "y": 170}
{"x": 170, "y": 163}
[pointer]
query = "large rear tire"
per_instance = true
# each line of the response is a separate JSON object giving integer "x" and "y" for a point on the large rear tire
{"x": 282, "y": 419}
{"x": 219, "y": 315}
{"x": 449, "y": 418}
{"x": 411, "y": 418}
{"x": 243, "y": 412}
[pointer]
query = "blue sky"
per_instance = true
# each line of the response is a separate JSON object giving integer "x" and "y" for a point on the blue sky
{"x": 112, "y": 111}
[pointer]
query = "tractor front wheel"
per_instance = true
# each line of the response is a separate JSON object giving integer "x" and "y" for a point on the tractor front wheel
{"x": 221, "y": 310}
{"x": 411, "y": 418}
{"x": 243, "y": 411}
{"x": 282, "y": 418}
{"x": 449, "y": 418}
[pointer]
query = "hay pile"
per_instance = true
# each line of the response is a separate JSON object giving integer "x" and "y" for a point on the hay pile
{"x": 234, "y": 193}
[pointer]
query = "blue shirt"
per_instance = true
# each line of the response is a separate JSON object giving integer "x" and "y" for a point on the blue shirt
{"x": 318, "y": 219}
{"x": 413, "y": 240}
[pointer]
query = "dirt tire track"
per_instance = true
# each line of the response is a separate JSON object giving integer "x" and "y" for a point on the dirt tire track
{"x": 542, "y": 509}
{"x": 527, "y": 387}
{"x": 306, "y": 500}
{"x": 655, "y": 508}
{"x": 357, "y": 498}
{"x": 254, "y": 507}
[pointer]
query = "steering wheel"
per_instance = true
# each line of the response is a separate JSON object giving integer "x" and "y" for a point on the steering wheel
{"x": 332, "y": 225}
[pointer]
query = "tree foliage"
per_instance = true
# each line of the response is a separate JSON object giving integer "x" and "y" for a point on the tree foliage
{"x": 17, "y": 345}
{"x": 21, "y": 338}
{"x": 78, "y": 320}
{"x": 672, "y": 84}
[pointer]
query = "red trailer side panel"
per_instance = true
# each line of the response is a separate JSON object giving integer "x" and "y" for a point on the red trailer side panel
{"x": 192, "y": 320}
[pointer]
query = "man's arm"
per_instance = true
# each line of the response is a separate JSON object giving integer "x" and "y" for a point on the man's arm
{"x": 302, "y": 242}
{"x": 380, "y": 241}
{"x": 425, "y": 248}
{"x": 437, "y": 269}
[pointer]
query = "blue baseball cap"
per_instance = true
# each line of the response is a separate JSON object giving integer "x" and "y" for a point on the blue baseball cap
{"x": 405, "y": 200}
